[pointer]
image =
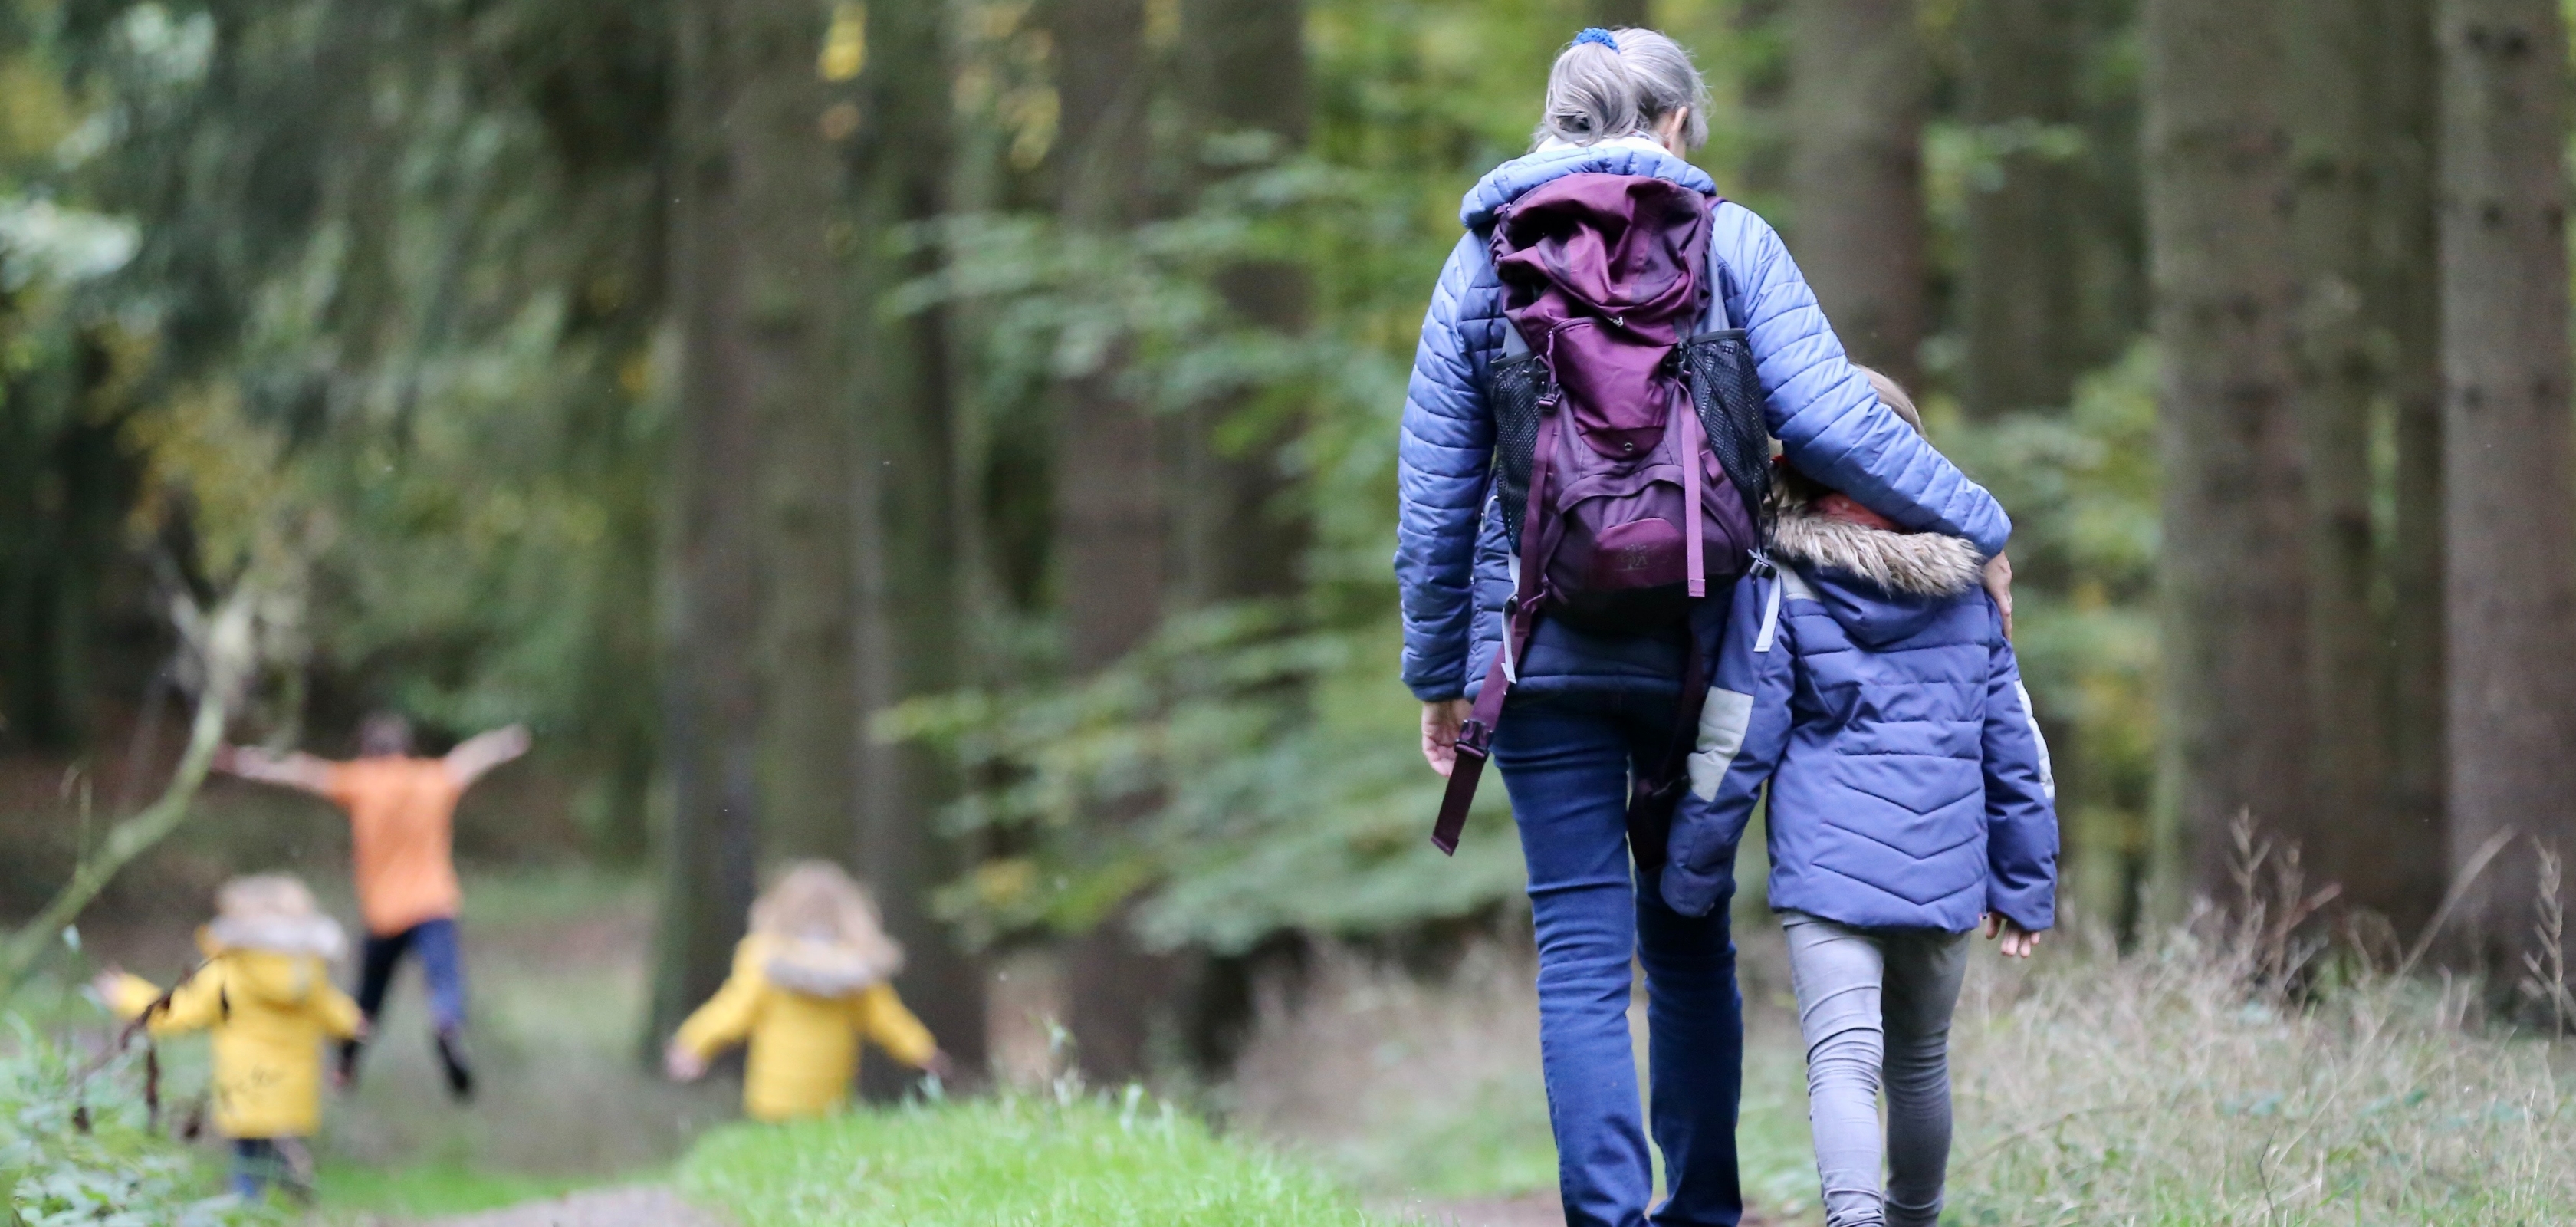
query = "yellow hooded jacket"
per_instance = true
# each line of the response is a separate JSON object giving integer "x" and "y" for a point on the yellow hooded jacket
{"x": 269, "y": 1012}
{"x": 804, "y": 1046}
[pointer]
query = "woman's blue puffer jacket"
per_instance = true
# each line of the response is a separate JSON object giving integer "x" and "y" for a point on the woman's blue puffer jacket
{"x": 1450, "y": 559}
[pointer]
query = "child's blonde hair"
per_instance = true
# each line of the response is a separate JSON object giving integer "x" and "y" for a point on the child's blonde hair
{"x": 1892, "y": 394}
{"x": 816, "y": 902}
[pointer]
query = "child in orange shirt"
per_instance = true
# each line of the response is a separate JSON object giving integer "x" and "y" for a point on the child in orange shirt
{"x": 402, "y": 812}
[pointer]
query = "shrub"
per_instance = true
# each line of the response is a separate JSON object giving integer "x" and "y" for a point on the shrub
{"x": 80, "y": 1150}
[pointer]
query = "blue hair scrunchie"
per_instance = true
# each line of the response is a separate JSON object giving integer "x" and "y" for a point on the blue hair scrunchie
{"x": 1596, "y": 34}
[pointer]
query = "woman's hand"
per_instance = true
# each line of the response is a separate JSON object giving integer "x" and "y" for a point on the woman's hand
{"x": 1999, "y": 586}
{"x": 1440, "y": 723}
{"x": 2018, "y": 942}
{"x": 683, "y": 1065}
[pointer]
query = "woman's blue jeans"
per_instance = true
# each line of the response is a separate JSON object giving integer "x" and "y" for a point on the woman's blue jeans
{"x": 1566, "y": 760}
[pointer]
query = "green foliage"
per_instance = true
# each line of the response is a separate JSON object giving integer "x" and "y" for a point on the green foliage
{"x": 79, "y": 1150}
{"x": 1275, "y": 790}
{"x": 1062, "y": 1162}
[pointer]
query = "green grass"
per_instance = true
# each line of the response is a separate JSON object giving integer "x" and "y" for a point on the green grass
{"x": 1007, "y": 1162}
{"x": 353, "y": 1191}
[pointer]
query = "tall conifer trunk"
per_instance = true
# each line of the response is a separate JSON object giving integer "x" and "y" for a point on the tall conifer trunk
{"x": 2510, "y": 532}
{"x": 1110, "y": 541}
{"x": 1245, "y": 74}
{"x": 714, "y": 704}
{"x": 1857, "y": 78}
{"x": 791, "y": 185}
{"x": 2021, "y": 307}
{"x": 2338, "y": 360}
{"x": 2399, "y": 872}
{"x": 2233, "y": 573}
{"x": 911, "y": 586}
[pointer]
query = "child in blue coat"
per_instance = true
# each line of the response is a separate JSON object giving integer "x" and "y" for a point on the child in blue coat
{"x": 1866, "y": 678}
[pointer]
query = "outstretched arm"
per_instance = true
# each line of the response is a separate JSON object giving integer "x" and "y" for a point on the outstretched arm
{"x": 2021, "y": 807}
{"x": 477, "y": 755}
{"x": 293, "y": 769}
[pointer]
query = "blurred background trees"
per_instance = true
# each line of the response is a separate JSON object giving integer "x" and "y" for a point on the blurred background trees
{"x": 955, "y": 437}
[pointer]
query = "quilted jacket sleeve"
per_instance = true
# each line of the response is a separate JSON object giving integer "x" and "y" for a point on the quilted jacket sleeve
{"x": 2021, "y": 800}
{"x": 1821, "y": 407}
{"x": 1442, "y": 462}
{"x": 1743, "y": 730}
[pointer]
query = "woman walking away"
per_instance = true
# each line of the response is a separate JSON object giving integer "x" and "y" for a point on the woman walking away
{"x": 812, "y": 980}
{"x": 1870, "y": 683}
{"x": 265, "y": 992}
{"x": 1600, "y": 253}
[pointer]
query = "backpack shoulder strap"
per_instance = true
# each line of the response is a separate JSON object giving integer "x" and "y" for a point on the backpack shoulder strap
{"x": 1717, "y": 279}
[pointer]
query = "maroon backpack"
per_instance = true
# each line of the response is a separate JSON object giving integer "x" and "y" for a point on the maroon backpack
{"x": 1631, "y": 456}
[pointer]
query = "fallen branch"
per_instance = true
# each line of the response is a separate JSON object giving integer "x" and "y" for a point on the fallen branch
{"x": 223, "y": 648}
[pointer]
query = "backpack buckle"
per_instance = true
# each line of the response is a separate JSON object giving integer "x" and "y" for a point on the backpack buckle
{"x": 1475, "y": 737}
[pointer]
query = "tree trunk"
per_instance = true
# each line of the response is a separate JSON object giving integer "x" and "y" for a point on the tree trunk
{"x": 1857, "y": 78}
{"x": 1240, "y": 538}
{"x": 2334, "y": 159}
{"x": 1109, "y": 538}
{"x": 1761, "y": 29}
{"x": 2511, "y": 527}
{"x": 1619, "y": 14}
{"x": 791, "y": 186}
{"x": 2234, "y": 576}
{"x": 2021, "y": 303}
{"x": 2400, "y": 874}
{"x": 912, "y": 590}
{"x": 714, "y": 704}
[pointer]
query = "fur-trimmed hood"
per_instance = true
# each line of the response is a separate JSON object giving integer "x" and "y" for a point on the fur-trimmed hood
{"x": 829, "y": 968}
{"x": 319, "y": 936}
{"x": 1904, "y": 564}
{"x": 1880, "y": 584}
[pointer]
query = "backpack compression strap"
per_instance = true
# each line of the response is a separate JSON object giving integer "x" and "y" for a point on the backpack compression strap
{"x": 1520, "y": 615}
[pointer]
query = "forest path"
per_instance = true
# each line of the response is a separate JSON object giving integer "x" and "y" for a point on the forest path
{"x": 632, "y": 1206}
{"x": 650, "y": 1206}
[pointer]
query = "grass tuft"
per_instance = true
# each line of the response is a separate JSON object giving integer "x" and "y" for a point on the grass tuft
{"x": 1007, "y": 1162}
{"x": 2161, "y": 1088}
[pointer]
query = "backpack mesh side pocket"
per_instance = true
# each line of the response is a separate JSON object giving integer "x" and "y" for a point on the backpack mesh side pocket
{"x": 1514, "y": 387}
{"x": 1727, "y": 394}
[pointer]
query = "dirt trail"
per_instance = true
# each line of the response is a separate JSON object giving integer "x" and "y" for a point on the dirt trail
{"x": 638, "y": 1206}
{"x": 647, "y": 1206}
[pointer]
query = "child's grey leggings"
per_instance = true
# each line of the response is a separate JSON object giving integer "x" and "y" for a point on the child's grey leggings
{"x": 1848, "y": 981}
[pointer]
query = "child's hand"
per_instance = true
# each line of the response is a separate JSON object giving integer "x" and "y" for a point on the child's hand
{"x": 1998, "y": 581}
{"x": 683, "y": 1065}
{"x": 937, "y": 1065}
{"x": 2018, "y": 942}
{"x": 105, "y": 984}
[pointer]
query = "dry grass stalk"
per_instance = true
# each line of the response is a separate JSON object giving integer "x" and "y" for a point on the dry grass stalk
{"x": 2545, "y": 965}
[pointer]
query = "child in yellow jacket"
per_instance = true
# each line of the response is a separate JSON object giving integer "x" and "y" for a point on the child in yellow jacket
{"x": 265, "y": 992}
{"x": 811, "y": 980}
